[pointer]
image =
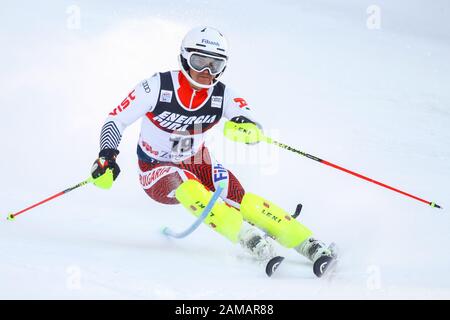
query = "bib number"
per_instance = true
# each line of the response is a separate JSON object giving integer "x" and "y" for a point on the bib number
{"x": 181, "y": 144}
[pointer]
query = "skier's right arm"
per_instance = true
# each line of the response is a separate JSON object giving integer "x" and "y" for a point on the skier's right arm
{"x": 138, "y": 102}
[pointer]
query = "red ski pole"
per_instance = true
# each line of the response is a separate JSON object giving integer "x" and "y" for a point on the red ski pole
{"x": 12, "y": 216}
{"x": 284, "y": 146}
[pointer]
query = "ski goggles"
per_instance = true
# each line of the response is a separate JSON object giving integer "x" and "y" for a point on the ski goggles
{"x": 201, "y": 61}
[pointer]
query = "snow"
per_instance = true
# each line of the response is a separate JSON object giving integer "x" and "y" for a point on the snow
{"x": 372, "y": 100}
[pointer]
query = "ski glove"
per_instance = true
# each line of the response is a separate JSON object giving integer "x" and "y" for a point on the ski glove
{"x": 105, "y": 169}
{"x": 241, "y": 129}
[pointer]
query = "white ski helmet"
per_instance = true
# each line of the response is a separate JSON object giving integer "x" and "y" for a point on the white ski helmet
{"x": 203, "y": 48}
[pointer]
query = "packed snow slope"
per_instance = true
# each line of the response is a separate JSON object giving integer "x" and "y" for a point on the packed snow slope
{"x": 361, "y": 86}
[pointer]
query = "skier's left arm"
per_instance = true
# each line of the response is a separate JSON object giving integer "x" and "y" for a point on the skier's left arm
{"x": 242, "y": 125}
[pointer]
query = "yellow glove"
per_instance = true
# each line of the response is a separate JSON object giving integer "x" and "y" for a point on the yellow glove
{"x": 246, "y": 132}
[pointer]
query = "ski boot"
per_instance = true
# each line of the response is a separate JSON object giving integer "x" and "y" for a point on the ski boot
{"x": 256, "y": 244}
{"x": 323, "y": 257}
{"x": 260, "y": 248}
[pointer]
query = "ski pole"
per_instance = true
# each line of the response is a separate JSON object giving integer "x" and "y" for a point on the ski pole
{"x": 12, "y": 216}
{"x": 168, "y": 232}
{"x": 309, "y": 156}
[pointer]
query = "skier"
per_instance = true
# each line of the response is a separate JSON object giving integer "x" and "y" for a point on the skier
{"x": 177, "y": 108}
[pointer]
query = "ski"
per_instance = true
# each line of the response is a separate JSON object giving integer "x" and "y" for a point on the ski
{"x": 273, "y": 265}
{"x": 325, "y": 265}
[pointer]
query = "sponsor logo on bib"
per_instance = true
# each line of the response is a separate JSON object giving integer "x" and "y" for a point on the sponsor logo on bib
{"x": 166, "y": 96}
{"x": 216, "y": 101}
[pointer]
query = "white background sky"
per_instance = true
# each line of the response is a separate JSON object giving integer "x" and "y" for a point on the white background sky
{"x": 373, "y": 100}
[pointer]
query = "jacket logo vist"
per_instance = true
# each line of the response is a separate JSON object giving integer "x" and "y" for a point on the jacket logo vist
{"x": 124, "y": 104}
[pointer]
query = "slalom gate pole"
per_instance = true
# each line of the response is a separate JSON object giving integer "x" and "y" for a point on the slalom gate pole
{"x": 309, "y": 156}
{"x": 179, "y": 235}
{"x": 12, "y": 216}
